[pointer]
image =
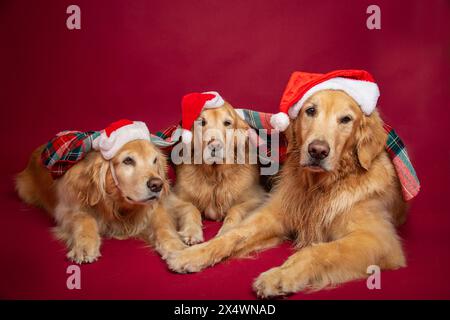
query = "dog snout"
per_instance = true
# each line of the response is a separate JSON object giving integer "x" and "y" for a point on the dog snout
{"x": 215, "y": 145}
{"x": 155, "y": 184}
{"x": 318, "y": 149}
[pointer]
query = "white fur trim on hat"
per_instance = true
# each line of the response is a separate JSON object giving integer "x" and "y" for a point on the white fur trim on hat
{"x": 279, "y": 121}
{"x": 215, "y": 102}
{"x": 365, "y": 93}
{"x": 186, "y": 136}
{"x": 109, "y": 146}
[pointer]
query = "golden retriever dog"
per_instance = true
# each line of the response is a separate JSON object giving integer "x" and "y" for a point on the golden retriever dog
{"x": 221, "y": 190}
{"x": 87, "y": 204}
{"x": 338, "y": 197}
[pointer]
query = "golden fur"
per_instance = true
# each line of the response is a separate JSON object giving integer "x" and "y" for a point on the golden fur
{"x": 221, "y": 191}
{"x": 87, "y": 204}
{"x": 342, "y": 215}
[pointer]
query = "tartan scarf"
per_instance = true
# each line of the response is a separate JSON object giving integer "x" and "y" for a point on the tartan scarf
{"x": 66, "y": 149}
{"x": 69, "y": 147}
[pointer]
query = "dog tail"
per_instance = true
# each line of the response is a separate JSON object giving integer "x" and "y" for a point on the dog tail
{"x": 35, "y": 184}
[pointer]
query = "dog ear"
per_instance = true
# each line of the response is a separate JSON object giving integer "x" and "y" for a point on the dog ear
{"x": 97, "y": 181}
{"x": 241, "y": 124}
{"x": 370, "y": 139}
{"x": 163, "y": 167}
{"x": 163, "y": 172}
{"x": 291, "y": 135}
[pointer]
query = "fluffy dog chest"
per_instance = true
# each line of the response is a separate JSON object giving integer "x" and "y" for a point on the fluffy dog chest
{"x": 215, "y": 191}
{"x": 218, "y": 200}
{"x": 123, "y": 225}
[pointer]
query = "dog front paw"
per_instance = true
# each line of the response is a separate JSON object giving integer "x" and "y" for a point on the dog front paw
{"x": 167, "y": 249}
{"x": 192, "y": 235}
{"x": 83, "y": 254}
{"x": 276, "y": 282}
{"x": 190, "y": 260}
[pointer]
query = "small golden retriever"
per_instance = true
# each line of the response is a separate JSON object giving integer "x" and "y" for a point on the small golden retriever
{"x": 338, "y": 197}
{"x": 87, "y": 204}
{"x": 221, "y": 190}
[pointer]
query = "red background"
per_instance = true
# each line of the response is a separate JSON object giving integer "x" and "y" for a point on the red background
{"x": 136, "y": 59}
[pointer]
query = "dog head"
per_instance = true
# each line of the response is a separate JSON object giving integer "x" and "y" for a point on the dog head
{"x": 216, "y": 130}
{"x": 331, "y": 126}
{"x": 140, "y": 171}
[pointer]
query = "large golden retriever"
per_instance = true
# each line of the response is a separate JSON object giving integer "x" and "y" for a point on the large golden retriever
{"x": 221, "y": 190}
{"x": 87, "y": 204}
{"x": 338, "y": 197}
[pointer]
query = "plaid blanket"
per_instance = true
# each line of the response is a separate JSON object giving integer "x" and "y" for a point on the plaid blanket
{"x": 66, "y": 149}
{"x": 69, "y": 147}
{"x": 403, "y": 166}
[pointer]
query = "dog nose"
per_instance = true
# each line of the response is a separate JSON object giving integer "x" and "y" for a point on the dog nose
{"x": 215, "y": 145}
{"x": 318, "y": 149}
{"x": 155, "y": 184}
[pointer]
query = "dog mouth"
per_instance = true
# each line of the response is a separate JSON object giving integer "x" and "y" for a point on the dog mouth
{"x": 314, "y": 166}
{"x": 143, "y": 201}
{"x": 214, "y": 158}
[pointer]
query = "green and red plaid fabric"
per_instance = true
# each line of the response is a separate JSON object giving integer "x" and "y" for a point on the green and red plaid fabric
{"x": 168, "y": 137}
{"x": 403, "y": 166}
{"x": 69, "y": 147}
{"x": 66, "y": 149}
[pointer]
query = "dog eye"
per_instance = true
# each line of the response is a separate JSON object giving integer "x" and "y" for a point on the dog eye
{"x": 154, "y": 161}
{"x": 227, "y": 123}
{"x": 345, "y": 119}
{"x": 202, "y": 122}
{"x": 311, "y": 111}
{"x": 128, "y": 161}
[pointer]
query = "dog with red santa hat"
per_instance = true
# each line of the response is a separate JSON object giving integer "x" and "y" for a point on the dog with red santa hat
{"x": 108, "y": 183}
{"x": 211, "y": 180}
{"x": 338, "y": 197}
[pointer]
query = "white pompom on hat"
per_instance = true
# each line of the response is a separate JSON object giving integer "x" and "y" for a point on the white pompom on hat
{"x": 192, "y": 105}
{"x": 117, "y": 134}
{"x": 358, "y": 84}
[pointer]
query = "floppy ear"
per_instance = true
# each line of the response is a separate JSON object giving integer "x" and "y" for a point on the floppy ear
{"x": 163, "y": 167}
{"x": 370, "y": 139}
{"x": 241, "y": 124}
{"x": 163, "y": 170}
{"x": 291, "y": 135}
{"x": 97, "y": 181}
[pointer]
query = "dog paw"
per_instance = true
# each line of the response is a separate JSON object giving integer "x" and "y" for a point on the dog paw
{"x": 224, "y": 229}
{"x": 192, "y": 235}
{"x": 167, "y": 250}
{"x": 84, "y": 253}
{"x": 189, "y": 260}
{"x": 275, "y": 283}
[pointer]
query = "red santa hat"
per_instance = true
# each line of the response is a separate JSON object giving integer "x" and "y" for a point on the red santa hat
{"x": 358, "y": 84}
{"x": 192, "y": 105}
{"x": 117, "y": 134}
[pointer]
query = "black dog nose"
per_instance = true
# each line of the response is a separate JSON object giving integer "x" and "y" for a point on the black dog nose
{"x": 318, "y": 149}
{"x": 215, "y": 145}
{"x": 155, "y": 184}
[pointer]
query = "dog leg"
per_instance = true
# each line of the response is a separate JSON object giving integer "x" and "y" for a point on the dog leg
{"x": 83, "y": 238}
{"x": 260, "y": 230}
{"x": 237, "y": 213}
{"x": 189, "y": 220}
{"x": 163, "y": 234}
{"x": 335, "y": 262}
